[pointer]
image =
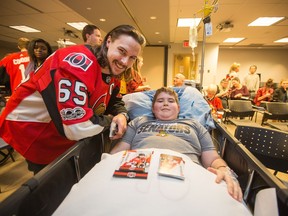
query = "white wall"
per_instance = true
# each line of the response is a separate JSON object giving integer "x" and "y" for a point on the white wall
{"x": 153, "y": 67}
{"x": 271, "y": 63}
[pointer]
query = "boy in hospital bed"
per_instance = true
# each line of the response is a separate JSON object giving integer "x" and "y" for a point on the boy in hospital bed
{"x": 166, "y": 131}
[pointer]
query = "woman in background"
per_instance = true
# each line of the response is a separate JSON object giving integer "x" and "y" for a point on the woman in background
{"x": 132, "y": 80}
{"x": 238, "y": 90}
{"x": 233, "y": 72}
{"x": 281, "y": 93}
{"x": 264, "y": 93}
{"x": 38, "y": 51}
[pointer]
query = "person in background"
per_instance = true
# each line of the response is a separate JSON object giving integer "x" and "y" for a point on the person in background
{"x": 238, "y": 91}
{"x": 12, "y": 67}
{"x": 281, "y": 93}
{"x": 38, "y": 51}
{"x": 251, "y": 80}
{"x": 92, "y": 36}
{"x": 187, "y": 136}
{"x": 72, "y": 96}
{"x": 233, "y": 71}
{"x": 214, "y": 102}
{"x": 132, "y": 80}
{"x": 223, "y": 92}
{"x": 178, "y": 80}
{"x": 264, "y": 93}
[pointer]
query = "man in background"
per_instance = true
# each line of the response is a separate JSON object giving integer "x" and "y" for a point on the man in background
{"x": 251, "y": 80}
{"x": 178, "y": 80}
{"x": 92, "y": 36}
{"x": 12, "y": 67}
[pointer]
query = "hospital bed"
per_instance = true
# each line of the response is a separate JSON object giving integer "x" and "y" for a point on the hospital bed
{"x": 44, "y": 193}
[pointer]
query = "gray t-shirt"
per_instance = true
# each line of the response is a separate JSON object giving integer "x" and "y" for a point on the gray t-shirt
{"x": 186, "y": 136}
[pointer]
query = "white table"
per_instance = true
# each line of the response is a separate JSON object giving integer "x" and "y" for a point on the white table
{"x": 99, "y": 193}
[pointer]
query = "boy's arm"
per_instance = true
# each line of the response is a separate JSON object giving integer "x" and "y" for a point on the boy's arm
{"x": 120, "y": 147}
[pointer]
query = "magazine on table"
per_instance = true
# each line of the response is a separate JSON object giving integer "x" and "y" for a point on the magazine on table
{"x": 134, "y": 164}
{"x": 171, "y": 166}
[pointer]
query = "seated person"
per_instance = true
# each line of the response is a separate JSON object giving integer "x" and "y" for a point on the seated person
{"x": 186, "y": 136}
{"x": 281, "y": 94}
{"x": 214, "y": 102}
{"x": 178, "y": 80}
{"x": 238, "y": 90}
{"x": 223, "y": 92}
{"x": 264, "y": 93}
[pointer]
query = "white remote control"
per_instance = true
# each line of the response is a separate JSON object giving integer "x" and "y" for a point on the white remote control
{"x": 113, "y": 129}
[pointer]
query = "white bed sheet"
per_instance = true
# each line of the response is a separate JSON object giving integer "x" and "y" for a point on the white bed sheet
{"x": 99, "y": 193}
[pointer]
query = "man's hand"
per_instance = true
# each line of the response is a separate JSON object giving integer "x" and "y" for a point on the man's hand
{"x": 233, "y": 187}
{"x": 121, "y": 123}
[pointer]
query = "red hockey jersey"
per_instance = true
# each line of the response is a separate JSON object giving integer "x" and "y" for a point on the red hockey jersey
{"x": 15, "y": 65}
{"x": 63, "y": 101}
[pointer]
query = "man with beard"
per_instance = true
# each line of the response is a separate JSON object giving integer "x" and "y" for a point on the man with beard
{"x": 73, "y": 95}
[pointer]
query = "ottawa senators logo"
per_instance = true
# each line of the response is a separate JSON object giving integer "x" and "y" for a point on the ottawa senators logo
{"x": 78, "y": 60}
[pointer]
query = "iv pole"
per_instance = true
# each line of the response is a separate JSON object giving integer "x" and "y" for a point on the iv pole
{"x": 207, "y": 12}
{"x": 206, "y": 20}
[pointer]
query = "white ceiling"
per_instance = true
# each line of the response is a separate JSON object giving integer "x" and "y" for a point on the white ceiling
{"x": 51, "y": 16}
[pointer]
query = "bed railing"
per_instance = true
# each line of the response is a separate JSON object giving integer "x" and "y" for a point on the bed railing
{"x": 43, "y": 193}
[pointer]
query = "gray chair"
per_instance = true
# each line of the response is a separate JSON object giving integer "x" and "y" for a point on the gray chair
{"x": 240, "y": 112}
{"x": 268, "y": 145}
{"x": 275, "y": 111}
{"x": 3, "y": 155}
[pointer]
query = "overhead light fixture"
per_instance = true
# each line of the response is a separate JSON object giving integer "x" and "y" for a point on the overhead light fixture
{"x": 187, "y": 22}
{"x": 265, "y": 21}
{"x": 233, "y": 40}
{"x": 77, "y": 25}
{"x": 283, "y": 40}
{"x": 102, "y": 20}
{"x": 66, "y": 42}
{"x": 24, "y": 28}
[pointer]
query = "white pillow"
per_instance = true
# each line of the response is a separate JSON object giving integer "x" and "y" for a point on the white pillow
{"x": 192, "y": 105}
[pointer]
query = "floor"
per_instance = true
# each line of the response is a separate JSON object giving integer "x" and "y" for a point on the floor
{"x": 13, "y": 174}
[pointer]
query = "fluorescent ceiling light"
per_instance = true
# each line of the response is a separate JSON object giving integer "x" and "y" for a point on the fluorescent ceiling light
{"x": 187, "y": 22}
{"x": 66, "y": 42}
{"x": 78, "y": 25}
{"x": 24, "y": 28}
{"x": 283, "y": 40}
{"x": 233, "y": 40}
{"x": 265, "y": 21}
